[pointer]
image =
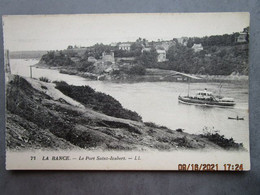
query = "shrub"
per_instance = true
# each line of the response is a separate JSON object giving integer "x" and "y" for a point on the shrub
{"x": 151, "y": 124}
{"x": 222, "y": 141}
{"x": 137, "y": 70}
{"x": 97, "y": 101}
{"x": 57, "y": 59}
{"x": 44, "y": 79}
{"x": 115, "y": 72}
{"x": 179, "y": 130}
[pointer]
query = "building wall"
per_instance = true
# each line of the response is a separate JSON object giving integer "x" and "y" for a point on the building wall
{"x": 108, "y": 57}
{"x": 161, "y": 56}
{"x": 242, "y": 38}
{"x": 125, "y": 47}
{"x": 197, "y": 47}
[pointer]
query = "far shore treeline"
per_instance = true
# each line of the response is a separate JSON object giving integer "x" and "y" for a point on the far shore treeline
{"x": 220, "y": 55}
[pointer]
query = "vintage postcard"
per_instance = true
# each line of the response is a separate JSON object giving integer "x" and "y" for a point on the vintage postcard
{"x": 159, "y": 91}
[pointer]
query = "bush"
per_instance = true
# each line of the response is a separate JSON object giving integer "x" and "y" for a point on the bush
{"x": 153, "y": 125}
{"x": 84, "y": 66}
{"x": 44, "y": 79}
{"x": 179, "y": 130}
{"x": 137, "y": 70}
{"x": 115, "y": 72}
{"x": 97, "y": 101}
{"x": 57, "y": 59}
{"x": 222, "y": 141}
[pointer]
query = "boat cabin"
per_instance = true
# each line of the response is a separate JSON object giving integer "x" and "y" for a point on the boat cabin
{"x": 204, "y": 95}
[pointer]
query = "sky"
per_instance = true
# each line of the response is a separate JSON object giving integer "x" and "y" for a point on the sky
{"x": 56, "y": 32}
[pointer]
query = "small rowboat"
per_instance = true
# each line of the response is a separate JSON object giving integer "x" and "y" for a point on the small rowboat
{"x": 236, "y": 118}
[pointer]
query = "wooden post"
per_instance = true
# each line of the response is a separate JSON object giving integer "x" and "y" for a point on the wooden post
{"x": 30, "y": 71}
{"x": 188, "y": 86}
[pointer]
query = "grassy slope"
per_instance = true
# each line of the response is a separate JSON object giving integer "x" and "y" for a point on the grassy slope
{"x": 39, "y": 116}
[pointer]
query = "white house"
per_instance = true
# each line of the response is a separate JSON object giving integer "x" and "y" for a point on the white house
{"x": 125, "y": 46}
{"x": 197, "y": 47}
{"x": 241, "y": 38}
{"x": 161, "y": 55}
{"x": 146, "y": 49}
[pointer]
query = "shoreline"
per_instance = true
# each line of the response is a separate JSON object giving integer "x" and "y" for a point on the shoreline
{"x": 152, "y": 75}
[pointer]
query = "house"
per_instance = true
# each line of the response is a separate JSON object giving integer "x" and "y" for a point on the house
{"x": 147, "y": 49}
{"x": 197, "y": 47}
{"x": 242, "y": 37}
{"x": 124, "y": 46}
{"x": 92, "y": 59}
{"x": 108, "y": 57}
{"x": 164, "y": 45}
{"x": 161, "y": 55}
{"x": 125, "y": 60}
{"x": 114, "y": 44}
{"x": 183, "y": 40}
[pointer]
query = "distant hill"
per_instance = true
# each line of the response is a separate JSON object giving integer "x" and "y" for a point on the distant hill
{"x": 26, "y": 54}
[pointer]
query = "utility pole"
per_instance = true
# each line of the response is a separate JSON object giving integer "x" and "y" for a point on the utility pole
{"x": 30, "y": 71}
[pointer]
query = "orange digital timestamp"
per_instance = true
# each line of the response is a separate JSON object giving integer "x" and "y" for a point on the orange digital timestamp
{"x": 233, "y": 167}
{"x": 210, "y": 167}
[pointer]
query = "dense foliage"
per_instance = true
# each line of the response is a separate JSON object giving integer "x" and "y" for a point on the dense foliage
{"x": 97, "y": 101}
{"x": 137, "y": 70}
{"x": 148, "y": 59}
{"x": 84, "y": 66}
{"x": 213, "y": 60}
{"x": 57, "y": 59}
{"x": 64, "y": 60}
{"x": 97, "y": 50}
{"x": 222, "y": 141}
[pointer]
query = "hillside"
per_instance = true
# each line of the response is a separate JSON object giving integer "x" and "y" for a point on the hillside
{"x": 212, "y": 60}
{"x": 39, "y": 116}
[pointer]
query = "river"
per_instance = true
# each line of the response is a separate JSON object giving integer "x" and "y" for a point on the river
{"x": 158, "y": 101}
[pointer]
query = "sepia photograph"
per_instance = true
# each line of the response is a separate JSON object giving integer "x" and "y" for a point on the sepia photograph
{"x": 146, "y": 91}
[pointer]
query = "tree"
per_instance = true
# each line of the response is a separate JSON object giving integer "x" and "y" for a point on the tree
{"x": 137, "y": 70}
{"x": 148, "y": 59}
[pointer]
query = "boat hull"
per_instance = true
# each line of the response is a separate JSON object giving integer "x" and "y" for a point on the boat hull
{"x": 188, "y": 100}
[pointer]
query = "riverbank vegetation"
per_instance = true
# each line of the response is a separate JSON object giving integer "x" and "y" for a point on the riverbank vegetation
{"x": 222, "y": 141}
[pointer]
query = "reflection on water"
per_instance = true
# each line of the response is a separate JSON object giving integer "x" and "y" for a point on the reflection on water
{"x": 158, "y": 101}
